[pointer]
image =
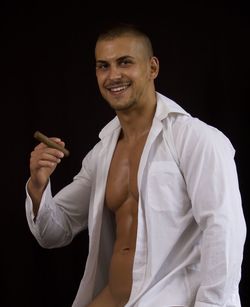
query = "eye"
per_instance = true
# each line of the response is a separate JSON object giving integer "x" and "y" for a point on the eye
{"x": 125, "y": 62}
{"x": 101, "y": 66}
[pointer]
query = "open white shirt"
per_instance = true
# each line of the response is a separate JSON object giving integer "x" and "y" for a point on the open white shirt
{"x": 191, "y": 228}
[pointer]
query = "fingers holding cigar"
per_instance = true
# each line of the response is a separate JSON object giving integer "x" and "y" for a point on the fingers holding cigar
{"x": 50, "y": 143}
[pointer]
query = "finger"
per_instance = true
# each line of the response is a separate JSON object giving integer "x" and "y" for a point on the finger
{"x": 50, "y": 142}
{"x": 47, "y": 163}
{"x": 46, "y": 153}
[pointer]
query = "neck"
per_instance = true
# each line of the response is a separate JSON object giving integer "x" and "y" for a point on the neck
{"x": 136, "y": 123}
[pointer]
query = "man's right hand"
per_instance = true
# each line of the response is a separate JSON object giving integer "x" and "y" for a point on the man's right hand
{"x": 43, "y": 162}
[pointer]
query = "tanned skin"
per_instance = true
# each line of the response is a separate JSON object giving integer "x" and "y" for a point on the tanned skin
{"x": 125, "y": 71}
{"x": 125, "y": 74}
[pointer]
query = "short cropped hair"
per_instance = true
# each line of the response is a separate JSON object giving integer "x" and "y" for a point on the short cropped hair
{"x": 122, "y": 29}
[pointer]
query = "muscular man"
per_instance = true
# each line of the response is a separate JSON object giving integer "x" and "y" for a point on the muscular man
{"x": 125, "y": 69}
{"x": 159, "y": 195}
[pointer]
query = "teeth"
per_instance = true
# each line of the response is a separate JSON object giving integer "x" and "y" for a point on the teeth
{"x": 117, "y": 89}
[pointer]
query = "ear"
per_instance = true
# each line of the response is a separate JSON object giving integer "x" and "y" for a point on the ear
{"x": 154, "y": 67}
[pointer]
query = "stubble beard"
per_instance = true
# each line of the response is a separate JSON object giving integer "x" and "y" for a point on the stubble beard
{"x": 122, "y": 107}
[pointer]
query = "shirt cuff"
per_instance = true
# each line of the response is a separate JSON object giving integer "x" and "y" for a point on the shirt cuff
{"x": 29, "y": 204}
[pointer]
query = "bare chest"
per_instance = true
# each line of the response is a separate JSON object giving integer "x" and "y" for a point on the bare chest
{"x": 122, "y": 177}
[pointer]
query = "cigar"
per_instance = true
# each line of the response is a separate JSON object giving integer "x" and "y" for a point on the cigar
{"x": 44, "y": 139}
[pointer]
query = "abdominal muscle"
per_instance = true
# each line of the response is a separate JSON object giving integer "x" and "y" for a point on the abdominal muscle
{"x": 122, "y": 198}
{"x": 121, "y": 267}
{"x": 117, "y": 291}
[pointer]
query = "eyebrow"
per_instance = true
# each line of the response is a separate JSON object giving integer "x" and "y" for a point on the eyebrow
{"x": 124, "y": 57}
{"x": 101, "y": 62}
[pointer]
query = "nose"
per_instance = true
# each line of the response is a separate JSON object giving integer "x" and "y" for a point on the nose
{"x": 114, "y": 72}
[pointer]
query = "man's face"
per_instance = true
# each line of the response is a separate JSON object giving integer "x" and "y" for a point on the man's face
{"x": 124, "y": 71}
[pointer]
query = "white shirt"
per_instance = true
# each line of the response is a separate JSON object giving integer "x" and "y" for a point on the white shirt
{"x": 191, "y": 228}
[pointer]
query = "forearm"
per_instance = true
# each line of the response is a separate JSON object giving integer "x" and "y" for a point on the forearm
{"x": 60, "y": 217}
{"x": 45, "y": 226}
{"x": 221, "y": 258}
{"x": 35, "y": 194}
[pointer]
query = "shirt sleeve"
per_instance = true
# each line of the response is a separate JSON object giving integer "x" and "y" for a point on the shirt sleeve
{"x": 207, "y": 160}
{"x": 61, "y": 217}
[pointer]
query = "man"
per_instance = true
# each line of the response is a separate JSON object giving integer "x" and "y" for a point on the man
{"x": 159, "y": 194}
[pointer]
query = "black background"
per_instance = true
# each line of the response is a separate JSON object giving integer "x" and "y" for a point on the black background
{"x": 48, "y": 84}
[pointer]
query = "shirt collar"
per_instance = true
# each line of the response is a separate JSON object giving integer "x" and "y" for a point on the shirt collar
{"x": 164, "y": 107}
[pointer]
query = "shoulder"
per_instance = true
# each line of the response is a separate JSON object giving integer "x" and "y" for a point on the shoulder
{"x": 191, "y": 136}
{"x": 193, "y": 133}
